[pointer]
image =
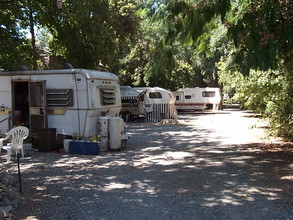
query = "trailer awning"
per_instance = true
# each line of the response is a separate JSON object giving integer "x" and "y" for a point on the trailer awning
{"x": 131, "y": 93}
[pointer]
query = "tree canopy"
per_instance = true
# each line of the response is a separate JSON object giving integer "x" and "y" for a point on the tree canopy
{"x": 88, "y": 34}
{"x": 261, "y": 31}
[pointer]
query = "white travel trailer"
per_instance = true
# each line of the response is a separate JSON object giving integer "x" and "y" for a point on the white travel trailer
{"x": 69, "y": 100}
{"x": 149, "y": 103}
{"x": 197, "y": 98}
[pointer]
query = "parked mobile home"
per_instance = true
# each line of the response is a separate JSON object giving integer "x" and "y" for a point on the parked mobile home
{"x": 197, "y": 98}
{"x": 149, "y": 103}
{"x": 69, "y": 100}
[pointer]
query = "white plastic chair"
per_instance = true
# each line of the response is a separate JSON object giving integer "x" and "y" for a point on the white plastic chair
{"x": 17, "y": 134}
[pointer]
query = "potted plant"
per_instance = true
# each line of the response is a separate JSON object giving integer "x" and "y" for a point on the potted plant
{"x": 95, "y": 138}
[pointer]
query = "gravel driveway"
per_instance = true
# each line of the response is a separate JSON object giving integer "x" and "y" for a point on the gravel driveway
{"x": 208, "y": 166}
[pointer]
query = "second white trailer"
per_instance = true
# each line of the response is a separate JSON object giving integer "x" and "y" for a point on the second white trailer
{"x": 150, "y": 103}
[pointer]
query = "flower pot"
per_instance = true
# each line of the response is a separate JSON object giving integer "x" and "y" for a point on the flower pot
{"x": 61, "y": 150}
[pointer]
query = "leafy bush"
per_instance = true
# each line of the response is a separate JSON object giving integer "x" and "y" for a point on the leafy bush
{"x": 280, "y": 107}
{"x": 270, "y": 93}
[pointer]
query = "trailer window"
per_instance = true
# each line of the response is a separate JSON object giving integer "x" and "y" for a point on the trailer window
{"x": 188, "y": 97}
{"x": 208, "y": 94}
{"x": 177, "y": 97}
{"x": 155, "y": 95}
{"x": 108, "y": 96}
{"x": 59, "y": 97}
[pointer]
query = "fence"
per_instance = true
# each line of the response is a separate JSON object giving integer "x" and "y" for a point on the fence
{"x": 162, "y": 111}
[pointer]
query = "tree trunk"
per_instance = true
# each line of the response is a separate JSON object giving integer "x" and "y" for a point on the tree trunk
{"x": 33, "y": 38}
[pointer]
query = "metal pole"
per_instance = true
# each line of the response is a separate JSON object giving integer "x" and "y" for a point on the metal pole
{"x": 9, "y": 121}
{"x": 19, "y": 179}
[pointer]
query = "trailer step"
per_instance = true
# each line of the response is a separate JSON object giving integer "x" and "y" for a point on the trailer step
{"x": 125, "y": 136}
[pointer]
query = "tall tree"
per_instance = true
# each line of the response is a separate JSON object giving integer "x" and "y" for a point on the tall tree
{"x": 15, "y": 48}
{"x": 88, "y": 33}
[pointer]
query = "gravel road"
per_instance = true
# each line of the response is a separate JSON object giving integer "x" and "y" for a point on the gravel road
{"x": 208, "y": 166}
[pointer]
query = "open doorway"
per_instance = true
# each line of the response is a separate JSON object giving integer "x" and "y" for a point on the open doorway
{"x": 20, "y": 112}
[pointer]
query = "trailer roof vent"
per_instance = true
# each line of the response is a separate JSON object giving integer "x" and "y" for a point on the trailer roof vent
{"x": 68, "y": 66}
{"x": 23, "y": 68}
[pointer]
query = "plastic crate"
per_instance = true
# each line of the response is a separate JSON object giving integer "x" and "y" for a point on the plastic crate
{"x": 83, "y": 147}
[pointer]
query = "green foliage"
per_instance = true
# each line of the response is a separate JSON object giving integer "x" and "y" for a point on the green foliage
{"x": 15, "y": 48}
{"x": 256, "y": 90}
{"x": 269, "y": 93}
{"x": 262, "y": 31}
{"x": 262, "y": 35}
{"x": 88, "y": 34}
{"x": 155, "y": 61}
{"x": 189, "y": 18}
{"x": 280, "y": 107}
{"x": 228, "y": 78}
{"x": 83, "y": 29}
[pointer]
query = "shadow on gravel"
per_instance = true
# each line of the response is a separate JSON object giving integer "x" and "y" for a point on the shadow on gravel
{"x": 165, "y": 172}
{"x": 211, "y": 180}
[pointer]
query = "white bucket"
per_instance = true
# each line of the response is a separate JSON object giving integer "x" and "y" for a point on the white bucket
{"x": 66, "y": 145}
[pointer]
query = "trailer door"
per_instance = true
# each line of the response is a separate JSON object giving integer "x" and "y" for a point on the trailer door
{"x": 37, "y": 100}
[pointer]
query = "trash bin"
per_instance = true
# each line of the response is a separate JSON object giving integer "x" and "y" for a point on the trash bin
{"x": 115, "y": 133}
{"x": 103, "y": 126}
{"x": 47, "y": 139}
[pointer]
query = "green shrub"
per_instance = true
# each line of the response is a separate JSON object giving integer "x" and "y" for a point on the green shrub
{"x": 271, "y": 94}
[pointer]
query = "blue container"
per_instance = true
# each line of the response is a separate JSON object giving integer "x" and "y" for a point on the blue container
{"x": 82, "y": 147}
